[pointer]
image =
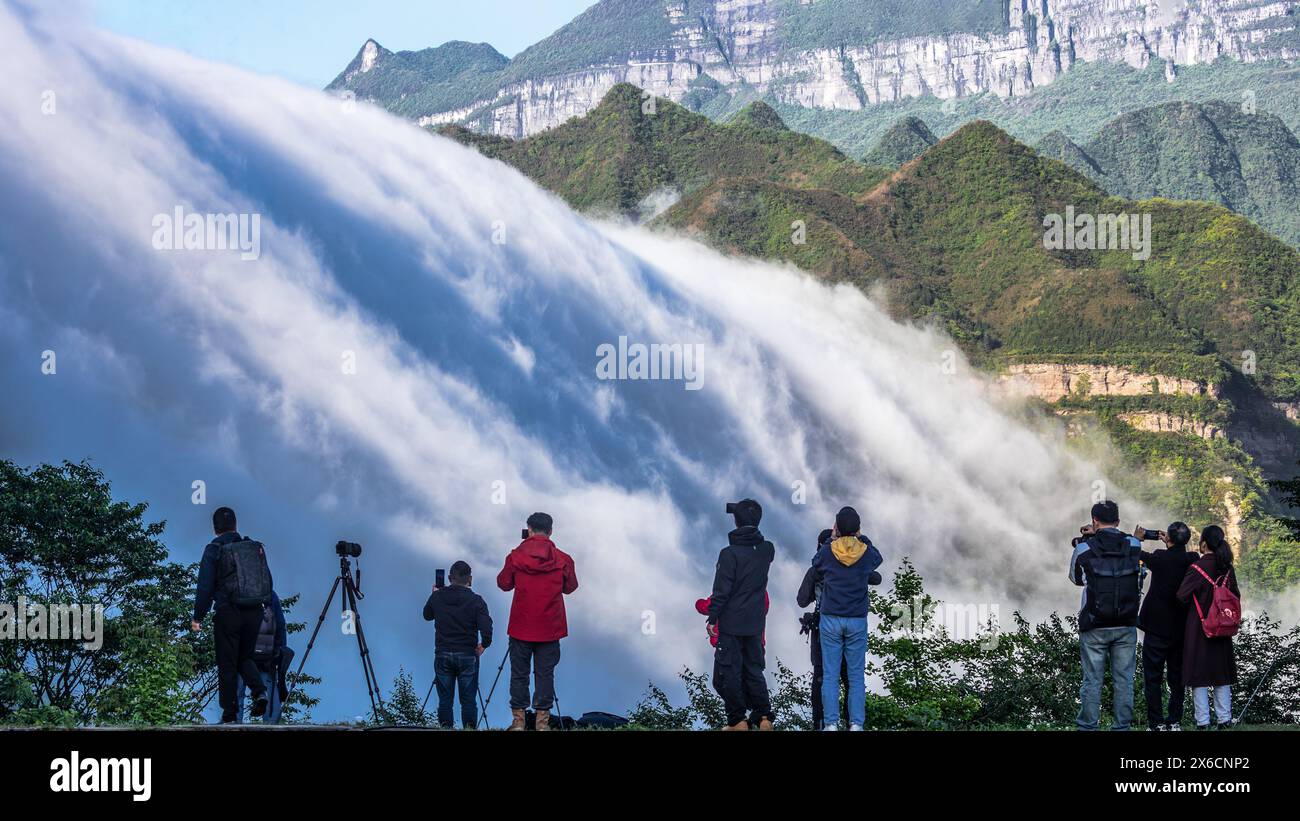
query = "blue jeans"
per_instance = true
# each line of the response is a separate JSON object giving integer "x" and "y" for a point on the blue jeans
{"x": 452, "y": 671}
{"x": 1119, "y": 644}
{"x": 845, "y": 638}
{"x": 1222, "y": 704}
{"x": 272, "y": 714}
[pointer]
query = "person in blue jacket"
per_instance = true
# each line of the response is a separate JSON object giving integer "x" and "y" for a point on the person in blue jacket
{"x": 844, "y": 565}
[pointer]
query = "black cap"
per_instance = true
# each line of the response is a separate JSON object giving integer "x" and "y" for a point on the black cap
{"x": 847, "y": 521}
{"x": 746, "y": 512}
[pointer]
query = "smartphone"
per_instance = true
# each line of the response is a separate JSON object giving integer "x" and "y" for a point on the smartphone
{"x": 440, "y": 578}
{"x": 1150, "y": 535}
{"x": 523, "y": 534}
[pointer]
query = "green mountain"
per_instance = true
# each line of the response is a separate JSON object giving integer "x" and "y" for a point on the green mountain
{"x": 628, "y": 148}
{"x": 1221, "y": 152}
{"x": 412, "y": 83}
{"x": 906, "y": 140}
{"x": 1078, "y": 103}
{"x": 1208, "y": 317}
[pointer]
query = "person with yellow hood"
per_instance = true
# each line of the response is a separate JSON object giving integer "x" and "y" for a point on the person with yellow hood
{"x": 844, "y": 564}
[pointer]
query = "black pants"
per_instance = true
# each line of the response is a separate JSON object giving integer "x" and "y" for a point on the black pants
{"x": 234, "y": 630}
{"x": 1159, "y": 653}
{"x": 738, "y": 677}
{"x": 541, "y": 656}
{"x": 818, "y": 720}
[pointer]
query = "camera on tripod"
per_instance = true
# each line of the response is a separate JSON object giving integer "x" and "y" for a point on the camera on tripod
{"x": 345, "y": 549}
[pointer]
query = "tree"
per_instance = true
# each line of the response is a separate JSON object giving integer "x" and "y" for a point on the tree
{"x": 404, "y": 707}
{"x": 65, "y": 540}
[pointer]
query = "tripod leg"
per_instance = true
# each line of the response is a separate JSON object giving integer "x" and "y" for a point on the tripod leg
{"x": 430, "y": 693}
{"x": 312, "y": 641}
{"x": 367, "y": 667}
{"x": 493, "y": 688}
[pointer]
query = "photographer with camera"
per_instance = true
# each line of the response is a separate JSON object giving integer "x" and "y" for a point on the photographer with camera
{"x": 810, "y": 592}
{"x": 235, "y": 583}
{"x": 541, "y": 576}
{"x": 737, "y": 617}
{"x": 1107, "y": 564}
{"x": 1162, "y": 621}
{"x": 462, "y": 630}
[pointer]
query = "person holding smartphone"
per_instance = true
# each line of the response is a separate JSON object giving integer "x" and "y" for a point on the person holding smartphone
{"x": 462, "y": 631}
{"x": 1163, "y": 619}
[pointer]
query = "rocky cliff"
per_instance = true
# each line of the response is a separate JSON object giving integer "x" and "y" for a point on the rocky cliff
{"x": 845, "y": 54}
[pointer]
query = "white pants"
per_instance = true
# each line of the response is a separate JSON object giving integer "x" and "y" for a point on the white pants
{"x": 1222, "y": 704}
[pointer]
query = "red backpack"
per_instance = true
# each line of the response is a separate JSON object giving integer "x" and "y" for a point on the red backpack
{"x": 1224, "y": 618}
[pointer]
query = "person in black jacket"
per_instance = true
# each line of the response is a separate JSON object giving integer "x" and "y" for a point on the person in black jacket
{"x": 234, "y": 628}
{"x": 462, "y": 631}
{"x": 810, "y": 592}
{"x": 1107, "y": 564}
{"x": 737, "y": 618}
{"x": 1162, "y": 620}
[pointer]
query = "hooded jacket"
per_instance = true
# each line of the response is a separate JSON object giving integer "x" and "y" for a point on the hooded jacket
{"x": 541, "y": 575}
{"x": 738, "y": 605}
{"x": 845, "y": 566}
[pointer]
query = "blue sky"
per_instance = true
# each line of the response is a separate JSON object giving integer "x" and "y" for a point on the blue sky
{"x": 310, "y": 41}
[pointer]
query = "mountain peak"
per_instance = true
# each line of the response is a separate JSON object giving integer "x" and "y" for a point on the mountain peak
{"x": 759, "y": 115}
{"x": 901, "y": 143}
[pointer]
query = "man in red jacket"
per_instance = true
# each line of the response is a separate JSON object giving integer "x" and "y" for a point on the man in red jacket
{"x": 541, "y": 576}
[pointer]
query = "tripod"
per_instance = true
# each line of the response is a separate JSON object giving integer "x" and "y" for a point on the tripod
{"x": 493, "y": 688}
{"x": 351, "y": 593}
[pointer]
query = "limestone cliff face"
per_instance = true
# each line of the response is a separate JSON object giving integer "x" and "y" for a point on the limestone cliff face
{"x": 739, "y": 44}
{"x": 1052, "y": 382}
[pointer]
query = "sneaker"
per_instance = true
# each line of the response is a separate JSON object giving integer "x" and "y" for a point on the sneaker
{"x": 1173, "y": 728}
{"x": 855, "y": 728}
{"x": 830, "y": 728}
{"x": 1158, "y": 728}
{"x": 259, "y": 706}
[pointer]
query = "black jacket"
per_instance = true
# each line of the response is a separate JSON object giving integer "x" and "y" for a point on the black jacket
{"x": 738, "y": 605}
{"x": 1108, "y": 566}
{"x": 461, "y": 620}
{"x": 1162, "y": 614}
{"x": 209, "y": 593}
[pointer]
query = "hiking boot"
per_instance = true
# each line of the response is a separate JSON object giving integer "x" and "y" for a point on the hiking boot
{"x": 516, "y": 720}
{"x": 259, "y": 706}
{"x": 739, "y": 725}
{"x": 542, "y": 721}
{"x": 765, "y": 723}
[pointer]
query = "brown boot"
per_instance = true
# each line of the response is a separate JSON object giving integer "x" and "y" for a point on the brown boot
{"x": 739, "y": 725}
{"x": 516, "y": 719}
{"x": 765, "y": 723}
{"x": 543, "y": 721}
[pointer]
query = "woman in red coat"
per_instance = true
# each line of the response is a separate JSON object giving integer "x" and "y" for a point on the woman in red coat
{"x": 1208, "y": 663}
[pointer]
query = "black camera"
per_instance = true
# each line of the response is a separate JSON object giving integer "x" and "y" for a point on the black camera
{"x": 347, "y": 549}
{"x": 809, "y": 622}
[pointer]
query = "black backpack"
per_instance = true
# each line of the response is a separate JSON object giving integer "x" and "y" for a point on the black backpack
{"x": 244, "y": 577}
{"x": 1114, "y": 580}
{"x": 264, "y": 647}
